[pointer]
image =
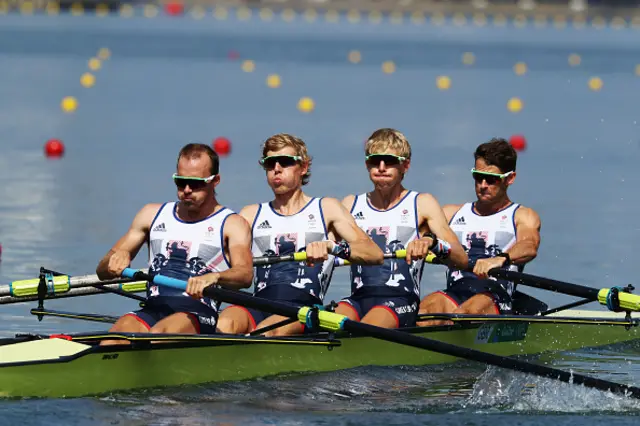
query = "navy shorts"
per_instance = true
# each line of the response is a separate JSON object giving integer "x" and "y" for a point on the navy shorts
{"x": 203, "y": 317}
{"x": 404, "y": 310}
{"x": 464, "y": 289}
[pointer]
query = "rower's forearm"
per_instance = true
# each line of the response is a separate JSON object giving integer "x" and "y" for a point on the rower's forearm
{"x": 236, "y": 278}
{"x": 458, "y": 259}
{"x": 523, "y": 252}
{"x": 366, "y": 252}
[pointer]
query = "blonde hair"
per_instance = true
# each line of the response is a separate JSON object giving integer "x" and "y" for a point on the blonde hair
{"x": 284, "y": 140}
{"x": 384, "y": 139}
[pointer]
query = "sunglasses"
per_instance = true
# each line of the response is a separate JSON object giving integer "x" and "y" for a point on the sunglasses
{"x": 194, "y": 183}
{"x": 269, "y": 163}
{"x": 491, "y": 178}
{"x": 373, "y": 160}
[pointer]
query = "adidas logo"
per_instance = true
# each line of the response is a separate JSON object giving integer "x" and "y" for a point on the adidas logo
{"x": 358, "y": 216}
{"x": 160, "y": 228}
{"x": 460, "y": 221}
{"x": 264, "y": 225}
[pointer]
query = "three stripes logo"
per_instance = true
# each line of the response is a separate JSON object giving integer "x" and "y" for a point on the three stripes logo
{"x": 460, "y": 221}
{"x": 160, "y": 228}
{"x": 358, "y": 216}
{"x": 264, "y": 225}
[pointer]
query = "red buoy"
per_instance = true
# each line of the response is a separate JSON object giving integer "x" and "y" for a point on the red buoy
{"x": 174, "y": 8}
{"x": 233, "y": 55}
{"x": 54, "y": 148}
{"x": 222, "y": 146}
{"x": 518, "y": 142}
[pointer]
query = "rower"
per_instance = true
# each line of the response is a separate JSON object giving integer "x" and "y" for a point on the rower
{"x": 195, "y": 239}
{"x": 294, "y": 222}
{"x": 495, "y": 232}
{"x": 395, "y": 218}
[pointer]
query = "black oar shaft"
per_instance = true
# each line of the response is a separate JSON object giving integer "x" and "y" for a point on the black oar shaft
{"x": 546, "y": 284}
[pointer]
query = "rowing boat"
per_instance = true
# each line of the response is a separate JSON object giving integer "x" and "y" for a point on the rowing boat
{"x": 74, "y": 365}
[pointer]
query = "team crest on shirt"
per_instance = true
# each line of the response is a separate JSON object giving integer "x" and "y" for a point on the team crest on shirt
{"x": 312, "y": 219}
{"x": 404, "y": 218}
{"x": 210, "y": 233}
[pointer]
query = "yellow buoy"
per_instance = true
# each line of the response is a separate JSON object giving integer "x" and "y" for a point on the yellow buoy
{"x": 468, "y": 58}
{"x": 638, "y": 70}
{"x": 248, "y": 66}
{"x": 514, "y": 105}
{"x": 87, "y": 79}
{"x": 443, "y": 82}
{"x": 104, "y": 53}
{"x": 69, "y": 104}
{"x": 306, "y": 104}
{"x": 520, "y": 68}
{"x": 595, "y": 83}
{"x": 273, "y": 81}
{"x": 95, "y": 64}
{"x": 388, "y": 67}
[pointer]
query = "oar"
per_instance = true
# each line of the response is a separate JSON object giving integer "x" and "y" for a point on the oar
{"x": 68, "y": 286}
{"x": 615, "y": 298}
{"x": 130, "y": 287}
{"x": 301, "y": 256}
{"x": 336, "y": 322}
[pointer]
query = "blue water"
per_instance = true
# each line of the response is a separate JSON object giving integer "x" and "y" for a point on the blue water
{"x": 170, "y": 81}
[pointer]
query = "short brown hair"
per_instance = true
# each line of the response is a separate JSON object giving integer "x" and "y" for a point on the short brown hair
{"x": 285, "y": 140}
{"x": 195, "y": 150}
{"x": 498, "y": 152}
{"x": 383, "y": 139}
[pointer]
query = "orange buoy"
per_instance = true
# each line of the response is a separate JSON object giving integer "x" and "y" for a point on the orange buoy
{"x": 54, "y": 148}
{"x": 518, "y": 142}
{"x": 174, "y": 8}
{"x": 222, "y": 146}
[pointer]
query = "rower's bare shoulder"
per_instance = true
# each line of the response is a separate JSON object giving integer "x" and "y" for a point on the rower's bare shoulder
{"x": 450, "y": 210}
{"x": 526, "y": 216}
{"x": 249, "y": 212}
{"x": 237, "y": 224}
{"x": 348, "y": 201}
{"x": 146, "y": 214}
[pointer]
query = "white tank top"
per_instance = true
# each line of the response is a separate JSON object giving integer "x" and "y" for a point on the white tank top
{"x": 391, "y": 230}
{"x": 483, "y": 237}
{"x": 181, "y": 249}
{"x": 276, "y": 235}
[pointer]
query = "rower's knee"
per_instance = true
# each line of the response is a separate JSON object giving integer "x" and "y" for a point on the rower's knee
{"x": 285, "y": 330}
{"x": 482, "y": 303}
{"x": 234, "y": 321}
{"x": 125, "y": 324}
{"x": 178, "y": 323}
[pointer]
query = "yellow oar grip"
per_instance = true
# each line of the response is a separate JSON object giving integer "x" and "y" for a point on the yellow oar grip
{"x": 328, "y": 320}
{"x": 300, "y": 256}
{"x": 29, "y": 287}
{"x": 628, "y": 301}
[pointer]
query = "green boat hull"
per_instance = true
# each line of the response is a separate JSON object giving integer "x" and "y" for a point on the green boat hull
{"x": 99, "y": 370}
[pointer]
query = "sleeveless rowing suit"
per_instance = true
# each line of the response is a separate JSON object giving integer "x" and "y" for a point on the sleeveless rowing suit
{"x": 394, "y": 285}
{"x": 276, "y": 235}
{"x": 181, "y": 250}
{"x": 483, "y": 237}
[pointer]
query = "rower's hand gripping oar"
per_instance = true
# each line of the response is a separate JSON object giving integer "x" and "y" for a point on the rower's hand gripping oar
{"x": 301, "y": 256}
{"x": 336, "y": 322}
{"x": 616, "y": 299}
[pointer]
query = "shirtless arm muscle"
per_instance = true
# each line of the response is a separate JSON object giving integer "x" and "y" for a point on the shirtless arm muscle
{"x": 127, "y": 247}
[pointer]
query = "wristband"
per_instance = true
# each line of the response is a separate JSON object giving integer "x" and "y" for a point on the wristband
{"x": 440, "y": 248}
{"x": 341, "y": 249}
{"x": 507, "y": 261}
